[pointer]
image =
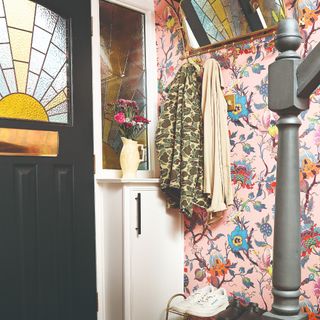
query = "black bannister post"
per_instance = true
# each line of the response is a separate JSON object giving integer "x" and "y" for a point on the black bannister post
{"x": 284, "y": 100}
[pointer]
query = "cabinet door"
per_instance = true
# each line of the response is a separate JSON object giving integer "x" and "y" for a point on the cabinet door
{"x": 153, "y": 258}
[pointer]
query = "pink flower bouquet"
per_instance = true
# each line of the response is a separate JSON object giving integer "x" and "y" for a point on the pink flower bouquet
{"x": 131, "y": 124}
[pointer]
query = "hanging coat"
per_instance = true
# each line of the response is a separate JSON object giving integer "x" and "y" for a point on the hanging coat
{"x": 179, "y": 143}
{"x": 217, "y": 177}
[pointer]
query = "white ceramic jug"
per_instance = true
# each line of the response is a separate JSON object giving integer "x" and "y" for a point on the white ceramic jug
{"x": 130, "y": 158}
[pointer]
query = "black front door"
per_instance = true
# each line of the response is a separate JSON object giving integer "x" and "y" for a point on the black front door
{"x": 47, "y": 238}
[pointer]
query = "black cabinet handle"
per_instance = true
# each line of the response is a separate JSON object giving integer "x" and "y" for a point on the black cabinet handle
{"x": 138, "y": 198}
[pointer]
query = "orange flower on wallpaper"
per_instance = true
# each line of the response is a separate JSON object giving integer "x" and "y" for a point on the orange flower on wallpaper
{"x": 310, "y": 241}
{"x": 311, "y": 315}
{"x": 219, "y": 268}
{"x": 309, "y": 169}
{"x": 308, "y": 17}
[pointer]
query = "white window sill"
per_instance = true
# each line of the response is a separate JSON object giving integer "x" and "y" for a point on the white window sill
{"x": 103, "y": 180}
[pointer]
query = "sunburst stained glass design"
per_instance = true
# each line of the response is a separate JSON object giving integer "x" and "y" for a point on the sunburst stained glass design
{"x": 123, "y": 73}
{"x": 223, "y": 19}
{"x": 33, "y": 63}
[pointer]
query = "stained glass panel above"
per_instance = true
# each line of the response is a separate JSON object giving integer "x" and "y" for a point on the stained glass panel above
{"x": 223, "y": 20}
{"x": 33, "y": 63}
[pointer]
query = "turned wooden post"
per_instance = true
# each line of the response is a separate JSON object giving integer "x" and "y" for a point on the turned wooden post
{"x": 284, "y": 100}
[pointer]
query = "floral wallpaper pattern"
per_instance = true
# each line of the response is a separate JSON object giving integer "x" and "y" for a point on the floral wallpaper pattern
{"x": 236, "y": 252}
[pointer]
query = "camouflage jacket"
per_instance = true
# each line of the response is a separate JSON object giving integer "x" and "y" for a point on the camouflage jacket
{"x": 179, "y": 142}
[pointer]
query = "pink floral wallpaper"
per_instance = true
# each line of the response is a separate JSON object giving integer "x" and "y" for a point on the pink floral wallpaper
{"x": 236, "y": 253}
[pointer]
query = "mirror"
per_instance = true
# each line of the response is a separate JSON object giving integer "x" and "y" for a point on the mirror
{"x": 216, "y": 23}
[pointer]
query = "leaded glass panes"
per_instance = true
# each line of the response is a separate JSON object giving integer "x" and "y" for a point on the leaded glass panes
{"x": 41, "y": 39}
{"x": 1, "y": 10}
{"x": 223, "y": 20}
{"x": 4, "y": 91}
{"x": 58, "y": 36}
{"x": 123, "y": 73}
{"x": 10, "y": 78}
{"x": 5, "y": 57}
{"x": 33, "y": 63}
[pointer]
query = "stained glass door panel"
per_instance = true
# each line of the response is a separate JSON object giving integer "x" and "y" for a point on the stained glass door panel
{"x": 33, "y": 63}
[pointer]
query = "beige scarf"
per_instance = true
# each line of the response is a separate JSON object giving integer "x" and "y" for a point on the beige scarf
{"x": 217, "y": 177}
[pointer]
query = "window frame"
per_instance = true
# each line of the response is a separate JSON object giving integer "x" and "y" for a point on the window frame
{"x": 151, "y": 87}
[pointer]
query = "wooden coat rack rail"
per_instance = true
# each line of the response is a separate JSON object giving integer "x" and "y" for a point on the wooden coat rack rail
{"x": 235, "y": 42}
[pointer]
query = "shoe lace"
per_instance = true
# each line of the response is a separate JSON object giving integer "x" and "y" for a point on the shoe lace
{"x": 196, "y": 296}
{"x": 208, "y": 298}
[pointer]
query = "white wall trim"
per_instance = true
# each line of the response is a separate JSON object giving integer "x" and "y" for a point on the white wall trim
{"x": 96, "y": 84}
{"x": 138, "y": 5}
{"x": 99, "y": 211}
{"x": 101, "y": 267}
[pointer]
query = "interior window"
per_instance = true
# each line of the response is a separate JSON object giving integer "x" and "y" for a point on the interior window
{"x": 123, "y": 73}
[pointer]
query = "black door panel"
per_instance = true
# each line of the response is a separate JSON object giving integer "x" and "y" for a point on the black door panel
{"x": 47, "y": 238}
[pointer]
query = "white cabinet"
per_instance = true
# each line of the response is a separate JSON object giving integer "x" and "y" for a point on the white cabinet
{"x": 141, "y": 271}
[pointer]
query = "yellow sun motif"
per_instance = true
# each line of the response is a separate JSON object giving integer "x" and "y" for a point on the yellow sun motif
{"x": 33, "y": 63}
{"x": 22, "y": 106}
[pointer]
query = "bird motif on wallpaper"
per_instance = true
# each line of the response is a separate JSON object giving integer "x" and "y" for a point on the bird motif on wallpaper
{"x": 265, "y": 262}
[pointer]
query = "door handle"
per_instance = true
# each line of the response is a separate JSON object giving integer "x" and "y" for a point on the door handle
{"x": 138, "y": 198}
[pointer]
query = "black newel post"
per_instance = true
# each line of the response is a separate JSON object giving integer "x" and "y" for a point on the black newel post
{"x": 283, "y": 99}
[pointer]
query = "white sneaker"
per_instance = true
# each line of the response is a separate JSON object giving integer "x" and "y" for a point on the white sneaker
{"x": 210, "y": 304}
{"x": 195, "y": 297}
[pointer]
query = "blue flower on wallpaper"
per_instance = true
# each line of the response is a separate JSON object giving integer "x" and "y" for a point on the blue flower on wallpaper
{"x": 242, "y": 174}
{"x": 241, "y": 109}
{"x": 238, "y": 240}
{"x": 247, "y": 148}
{"x": 263, "y": 88}
{"x": 257, "y": 68}
{"x": 247, "y": 282}
{"x": 185, "y": 280}
{"x": 241, "y": 296}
